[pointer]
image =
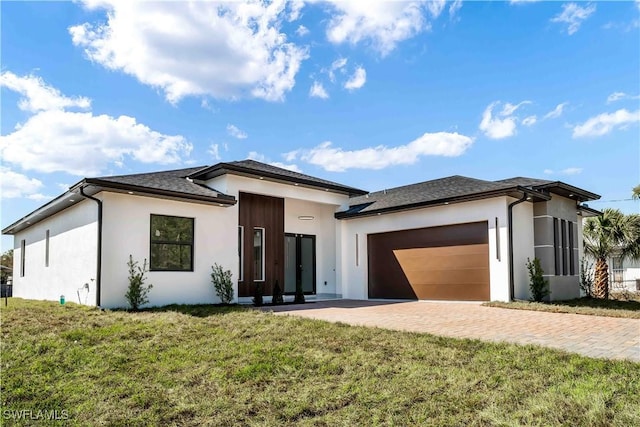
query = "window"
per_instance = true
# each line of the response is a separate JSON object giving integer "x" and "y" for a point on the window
{"x": 563, "y": 230}
{"x": 22, "y": 255}
{"x": 556, "y": 247}
{"x": 171, "y": 243}
{"x": 258, "y": 254}
{"x": 46, "y": 248}
{"x": 240, "y": 253}
{"x": 617, "y": 270}
{"x": 572, "y": 255}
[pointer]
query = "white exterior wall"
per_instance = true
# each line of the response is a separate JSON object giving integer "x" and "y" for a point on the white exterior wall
{"x": 353, "y": 279}
{"x": 126, "y": 228}
{"x": 523, "y": 248}
{"x": 73, "y": 236}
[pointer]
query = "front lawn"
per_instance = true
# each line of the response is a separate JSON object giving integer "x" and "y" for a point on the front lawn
{"x": 590, "y": 306}
{"x": 204, "y": 365}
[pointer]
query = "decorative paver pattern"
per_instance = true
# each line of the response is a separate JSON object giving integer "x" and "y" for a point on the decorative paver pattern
{"x": 593, "y": 336}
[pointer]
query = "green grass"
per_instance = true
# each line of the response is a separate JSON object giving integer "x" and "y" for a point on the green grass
{"x": 590, "y": 306}
{"x": 204, "y": 365}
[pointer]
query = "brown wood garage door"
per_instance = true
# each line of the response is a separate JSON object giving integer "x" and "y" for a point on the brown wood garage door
{"x": 441, "y": 263}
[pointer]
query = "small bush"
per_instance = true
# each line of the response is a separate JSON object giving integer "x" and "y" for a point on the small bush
{"x": 137, "y": 292}
{"x": 299, "y": 298}
{"x": 257, "y": 294}
{"x": 586, "y": 277}
{"x": 222, "y": 283}
{"x": 277, "y": 298}
{"x": 538, "y": 285}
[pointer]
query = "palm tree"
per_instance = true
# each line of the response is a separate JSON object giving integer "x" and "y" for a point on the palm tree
{"x": 608, "y": 234}
{"x": 636, "y": 192}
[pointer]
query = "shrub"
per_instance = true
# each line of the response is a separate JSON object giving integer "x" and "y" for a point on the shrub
{"x": 222, "y": 283}
{"x": 277, "y": 295}
{"x": 299, "y": 298}
{"x": 137, "y": 293}
{"x": 538, "y": 285}
{"x": 586, "y": 277}
{"x": 257, "y": 294}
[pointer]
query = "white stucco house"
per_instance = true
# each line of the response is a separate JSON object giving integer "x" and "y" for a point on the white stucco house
{"x": 454, "y": 238}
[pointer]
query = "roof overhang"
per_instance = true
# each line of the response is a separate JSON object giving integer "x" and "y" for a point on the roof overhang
{"x": 568, "y": 191}
{"x": 515, "y": 192}
{"x": 228, "y": 168}
{"x": 93, "y": 186}
{"x": 586, "y": 212}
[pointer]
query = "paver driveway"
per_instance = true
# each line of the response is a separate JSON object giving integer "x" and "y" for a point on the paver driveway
{"x": 592, "y": 336}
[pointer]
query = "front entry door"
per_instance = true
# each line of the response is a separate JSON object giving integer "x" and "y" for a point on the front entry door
{"x": 300, "y": 263}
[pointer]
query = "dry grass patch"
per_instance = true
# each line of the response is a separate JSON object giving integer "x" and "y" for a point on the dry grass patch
{"x": 204, "y": 365}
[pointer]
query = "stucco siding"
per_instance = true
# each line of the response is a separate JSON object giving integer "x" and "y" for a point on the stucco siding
{"x": 72, "y": 256}
{"x": 523, "y": 250}
{"x": 126, "y": 230}
{"x": 352, "y": 277}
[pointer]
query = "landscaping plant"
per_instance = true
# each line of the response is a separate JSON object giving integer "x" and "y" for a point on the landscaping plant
{"x": 586, "y": 277}
{"x": 538, "y": 285}
{"x": 258, "y": 292}
{"x": 277, "y": 298}
{"x": 222, "y": 283}
{"x": 137, "y": 292}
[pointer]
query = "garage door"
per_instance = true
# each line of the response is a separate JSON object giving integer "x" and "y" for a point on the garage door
{"x": 441, "y": 263}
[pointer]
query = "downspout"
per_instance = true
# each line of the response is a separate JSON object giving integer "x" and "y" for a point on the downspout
{"x": 510, "y": 229}
{"x": 99, "y": 263}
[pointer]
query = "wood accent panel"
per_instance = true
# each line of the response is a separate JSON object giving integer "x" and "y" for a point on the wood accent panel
{"x": 451, "y": 272}
{"x": 266, "y": 212}
{"x": 447, "y": 262}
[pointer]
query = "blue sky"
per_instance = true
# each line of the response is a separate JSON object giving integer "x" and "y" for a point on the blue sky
{"x": 373, "y": 95}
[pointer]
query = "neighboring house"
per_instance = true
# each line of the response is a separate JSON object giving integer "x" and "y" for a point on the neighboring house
{"x": 624, "y": 274}
{"x": 453, "y": 238}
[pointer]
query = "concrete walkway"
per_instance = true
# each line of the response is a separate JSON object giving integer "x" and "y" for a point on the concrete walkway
{"x": 593, "y": 336}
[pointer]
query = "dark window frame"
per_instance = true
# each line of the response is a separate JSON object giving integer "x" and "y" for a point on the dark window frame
{"x": 172, "y": 242}
{"x": 23, "y": 248}
{"x": 241, "y": 253}
{"x": 46, "y": 249}
{"x": 556, "y": 248}
{"x": 263, "y": 254}
{"x": 563, "y": 239}
{"x": 572, "y": 255}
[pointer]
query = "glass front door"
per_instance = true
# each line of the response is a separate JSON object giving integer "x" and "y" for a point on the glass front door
{"x": 300, "y": 263}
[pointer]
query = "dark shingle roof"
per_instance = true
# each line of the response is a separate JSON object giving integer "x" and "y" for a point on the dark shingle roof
{"x": 455, "y": 189}
{"x": 166, "y": 182}
{"x": 437, "y": 190}
{"x": 255, "y": 168}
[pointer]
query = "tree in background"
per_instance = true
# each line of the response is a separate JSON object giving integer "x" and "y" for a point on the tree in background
{"x": 7, "y": 266}
{"x": 636, "y": 192}
{"x": 611, "y": 233}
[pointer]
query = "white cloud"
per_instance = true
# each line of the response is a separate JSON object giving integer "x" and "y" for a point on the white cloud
{"x": 530, "y": 120}
{"x": 357, "y": 80}
{"x": 224, "y": 50}
{"x": 381, "y": 24}
{"x": 618, "y": 96}
{"x": 336, "y": 65}
{"x": 235, "y": 132}
{"x": 254, "y": 155}
{"x": 318, "y": 91}
{"x": 214, "y": 151}
{"x": 502, "y": 125}
{"x": 567, "y": 171}
{"x": 573, "y": 15}
{"x": 16, "y": 185}
{"x": 604, "y": 123}
{"x": 84, "y": 144}
{"x": 38, "y": 96}
{"x": 456, "y": 5}
{"x": 556, "y": 112}
{"x": 80, "y": 143}
{"x": 380, "y": 157}
{"x": 302, "y": 31}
